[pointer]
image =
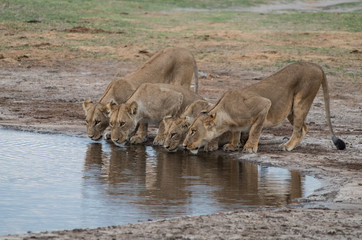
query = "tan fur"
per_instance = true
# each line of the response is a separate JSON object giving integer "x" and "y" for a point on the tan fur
{"x": 150, "y": 103}
{"x": 176, "y": 126}
{"x": 288, "y": 93}
{"x": 175, "y": 66}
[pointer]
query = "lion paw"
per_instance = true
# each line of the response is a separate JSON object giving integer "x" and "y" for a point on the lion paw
{"x": 158, "y": 141}
{"x": 250, "y": 149}
{"x": 285, "y": 147}
{"x": 138, "y": 139}
{"x": 211, "y": 147}
{"x": 230, "y": 148}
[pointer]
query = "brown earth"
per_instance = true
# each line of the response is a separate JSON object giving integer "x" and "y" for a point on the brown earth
{"x": 42, "y": 90}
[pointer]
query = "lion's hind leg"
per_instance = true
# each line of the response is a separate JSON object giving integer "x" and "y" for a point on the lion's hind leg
{"x": 296, "y": 118}
{"x": 297, "y": 136}
{"x": 182, "y": 75}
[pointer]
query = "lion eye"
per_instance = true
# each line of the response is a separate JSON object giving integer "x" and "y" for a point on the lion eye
{"x": 96, "y": 122}
{"x": 111, "y": 124}
{"x": 173, "y": 135}
{"x": 121, "y": 124}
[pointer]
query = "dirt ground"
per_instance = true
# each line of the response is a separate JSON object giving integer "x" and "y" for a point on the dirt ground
{"x": 43, "y": 92}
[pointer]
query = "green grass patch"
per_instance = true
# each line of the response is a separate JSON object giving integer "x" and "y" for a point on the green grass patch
{"x": 161, "y": 23}
{"x": 115, "y": 15}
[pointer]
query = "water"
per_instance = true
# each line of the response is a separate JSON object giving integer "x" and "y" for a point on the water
{"x": 55, "y": 182}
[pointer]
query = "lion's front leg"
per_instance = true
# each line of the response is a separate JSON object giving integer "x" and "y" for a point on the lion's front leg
{"x": 160, "y": 138}
{"x": 213, "y": 145}
{"x": 235, "y": 142}
{"x": 141, "y": 135}
{"x": 251, "y": 145}
{"x": 244, "y": 138}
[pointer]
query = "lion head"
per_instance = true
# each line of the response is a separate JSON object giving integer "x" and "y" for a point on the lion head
{"x": 176, "y": 129}
{"x": 201, "y": 131}
{"x": 122, "y": 121}
{"x": 96, "y": 119}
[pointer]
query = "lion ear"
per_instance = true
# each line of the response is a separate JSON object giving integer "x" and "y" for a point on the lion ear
{"x": 212, "y": 116}
{"x": 110, "y": 107}
{"x": 167, "y": 120}
{"x": 86, "y": 104}
{"x": 133, "y": 108}
{"x": 211, "y": 120}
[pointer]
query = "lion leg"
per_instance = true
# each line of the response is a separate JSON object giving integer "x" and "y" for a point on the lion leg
{"x": 213, "y": 145}
{"x": 299, "y": 131}
{"x": 251, "y": 145}
{"x": 134, "y": 131}
{"x": 244, "y": 138}
{"x": 291, "y": 121}
{"x": 291, "y": 118}
{"x": 160, "y": 138}
{"x": 296, "y": 118}
{"x": 141, "y": 135}
{"x": 219, "y": 141}
{"x": 183, "y": 75}
{"x": 235, "y": 142}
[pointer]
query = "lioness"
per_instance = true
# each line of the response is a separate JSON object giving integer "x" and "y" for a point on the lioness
{"x": 289, "y": 93}
{"x": 150, "y": 103}
{"x": 171, "y": 65}
{"x": 176, "y": 128}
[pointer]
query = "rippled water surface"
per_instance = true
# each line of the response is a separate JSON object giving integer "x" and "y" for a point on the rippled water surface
{"x": 54, "y": 182}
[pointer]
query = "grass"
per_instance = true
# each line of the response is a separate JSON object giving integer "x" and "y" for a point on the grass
{"x": 115, "y": 15}
{"x": 211, "y": 29}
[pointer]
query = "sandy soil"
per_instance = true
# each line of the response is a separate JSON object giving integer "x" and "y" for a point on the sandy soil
{"x": 42, "y": 91}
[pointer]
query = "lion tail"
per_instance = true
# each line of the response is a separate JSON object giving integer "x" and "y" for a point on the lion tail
{"x": 196, "y": 76}
{"x": 339, "y": 143}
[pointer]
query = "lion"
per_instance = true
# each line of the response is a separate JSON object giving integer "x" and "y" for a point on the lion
{"x": 289, "y": 93}
{"x": 175, "y": 66}
{"x": 150, "y": 103}
{"x": 176, "y": 128}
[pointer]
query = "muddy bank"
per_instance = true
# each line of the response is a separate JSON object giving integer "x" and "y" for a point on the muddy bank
{"x": 282, "y": 223}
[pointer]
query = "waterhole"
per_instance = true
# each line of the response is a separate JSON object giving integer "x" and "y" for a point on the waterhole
{"x": 55, "y": 182}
